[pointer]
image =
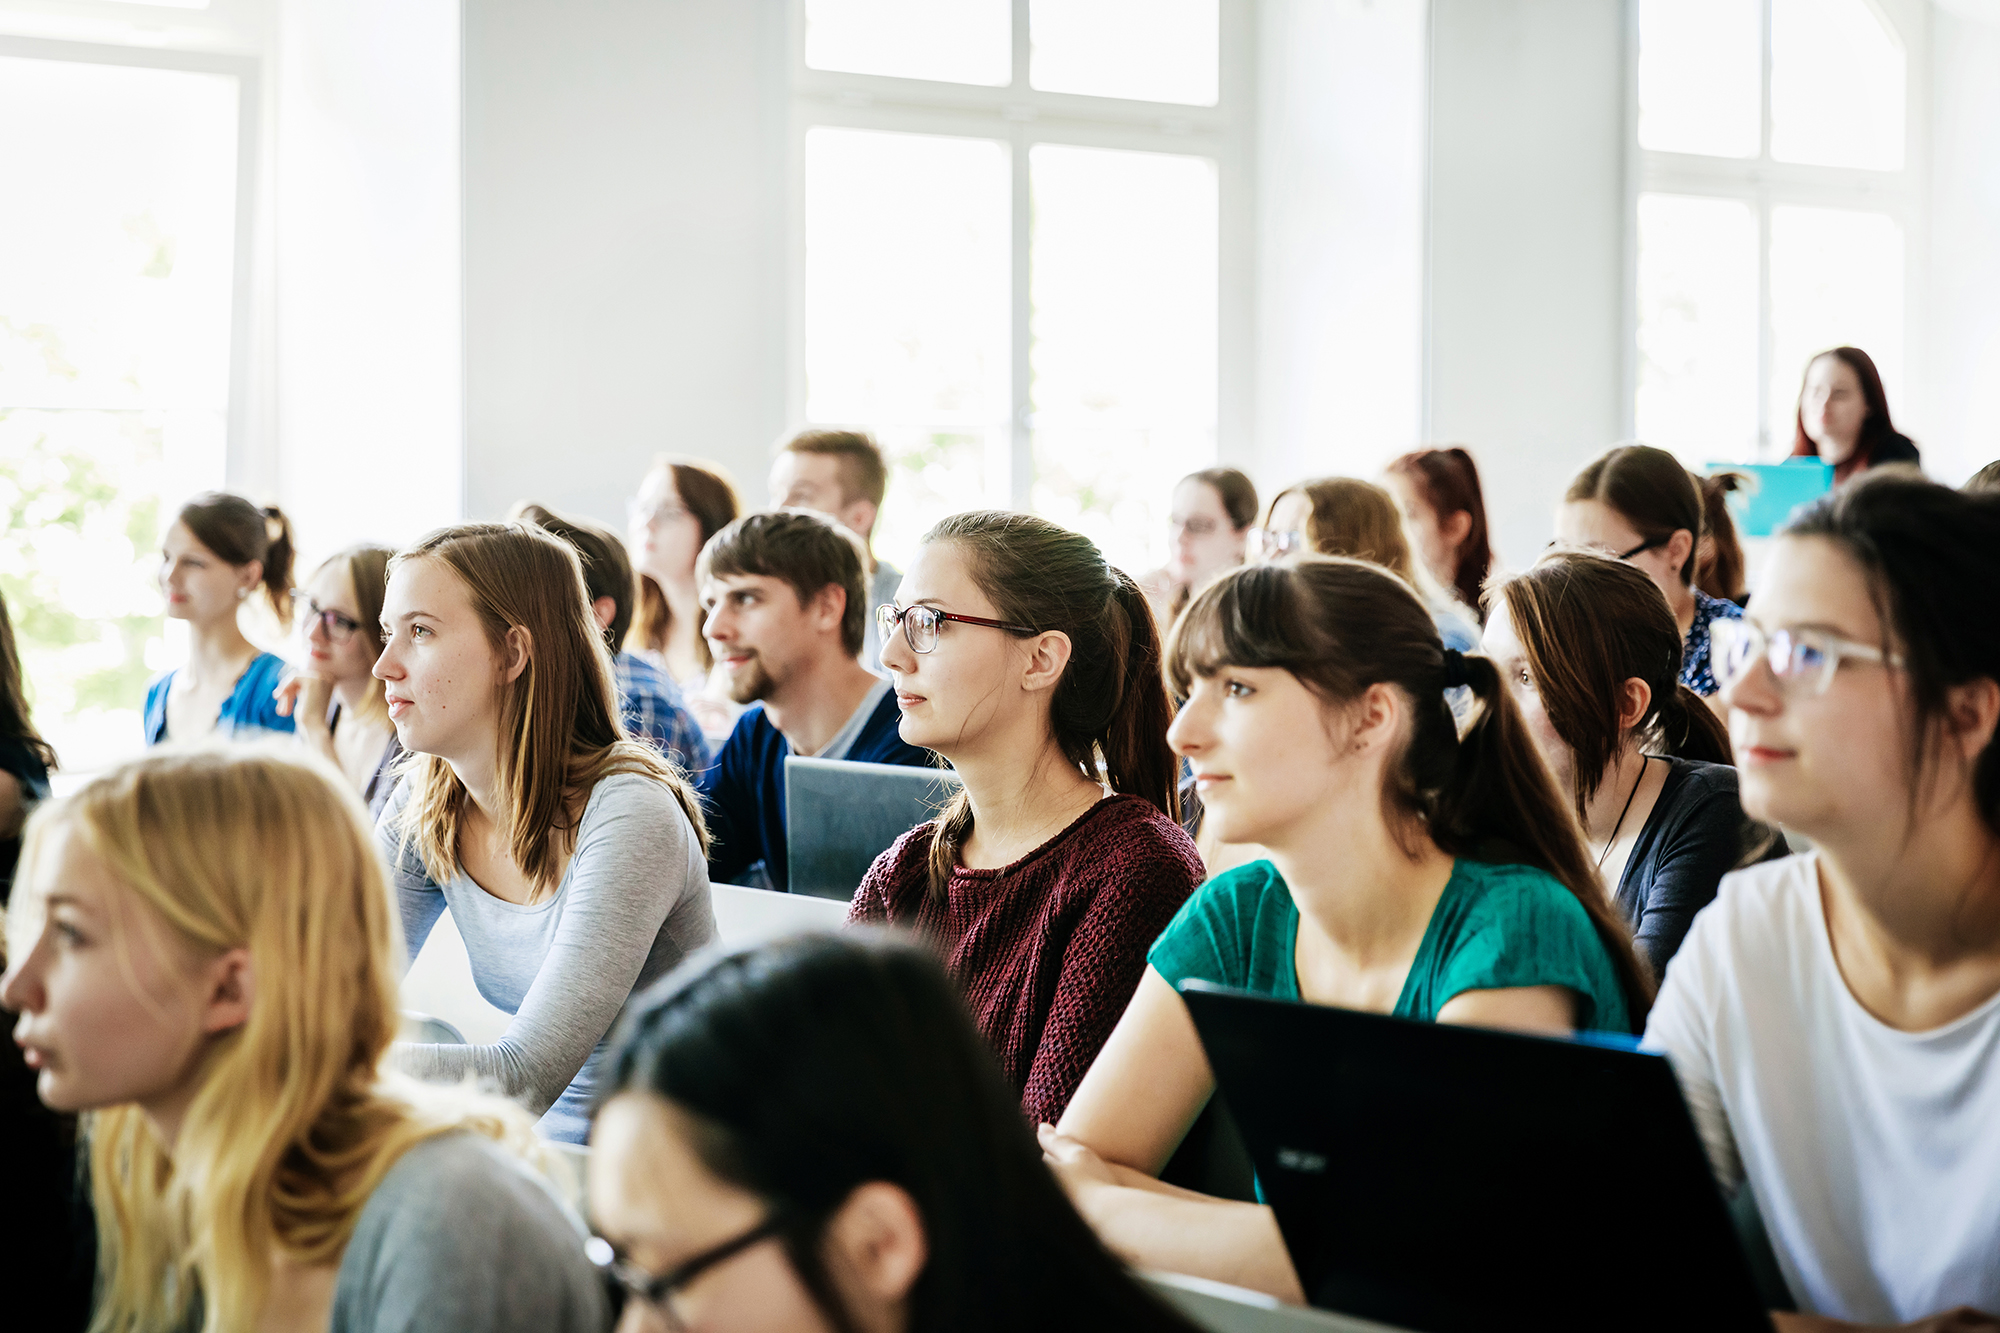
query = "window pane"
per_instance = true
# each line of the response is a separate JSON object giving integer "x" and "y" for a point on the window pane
{"x": 952, "y": 41}
{"x": 1700, "y": 76}
{"x": 117, "y": 251}
{"x": 906, "y": 301}
{"x": 1124, "y": 325}
{"x": 1151, "y": 50}
{"x": 1836, "y": 278}
{"x": 1837, "y": 85}
{"x": 1697, "y": 389}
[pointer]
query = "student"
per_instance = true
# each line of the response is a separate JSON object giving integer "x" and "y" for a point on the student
{"x": 1444, "y": 512}
{"x": 1590, "y": 653}
{"x": 572, "y": 857}
{"x": 1640, "y": 505}
{"x": 1718, "y": 556}
{"x": 681, "y": 504}
{"x": 220, "y": 549}
{"x": 648, "y": 701}
{"x": 212, "y": 975}
{"x": 1024, "y": 658}
{"x": 1835, "y": 1017}
{"x": 1344, "y": 516}
{"x": 809, "y": 1135}
{"x": 1208, "y": 529}
{"x": 841, "y": 473}
{"x": 784, "y": 593}
{"x": 1316, "y": 726}
{"x": 25, "y": 758}
{"x": 336, "y": 702}
{"x": 1843, "y": 416}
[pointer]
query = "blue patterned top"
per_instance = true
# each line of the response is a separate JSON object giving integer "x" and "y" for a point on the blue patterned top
{"x": 248, "y": 711}
{"x": 1695, "y": 672}
{"x": 653, "y": 711}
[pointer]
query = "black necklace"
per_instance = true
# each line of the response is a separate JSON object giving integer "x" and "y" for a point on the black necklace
{"x": 1612, "y": 841}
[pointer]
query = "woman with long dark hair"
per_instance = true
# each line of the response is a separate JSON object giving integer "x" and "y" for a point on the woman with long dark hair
{"x": 1023, "y": 657}
{"x": 1444, "y": 510}
{"x": 1843, "y": 416}
{"x": 810, "y": 1135}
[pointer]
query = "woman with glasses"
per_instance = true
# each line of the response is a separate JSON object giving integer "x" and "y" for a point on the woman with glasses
{"x": 1638, "y": 504}
{"x": 219, "y": 551}
{"x": 1207, "y": 529}
{"x": 1032, "y": 665}
{"x": 681, "y": 504}
{"x": 335, "y": 699}
{"x": 1834, "y": 1017}
{"x": 808, "y": 1135}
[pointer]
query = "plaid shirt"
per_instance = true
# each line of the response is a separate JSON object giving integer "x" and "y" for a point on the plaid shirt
{"x": 1695, "y": 671}
{"x": 653, "y": 711}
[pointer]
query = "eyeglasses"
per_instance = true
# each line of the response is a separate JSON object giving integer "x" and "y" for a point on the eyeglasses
{"x": 339, "y": 628}
{"x": 1804, "y": 660}
{"x": 922, "y": 624}
{"x": 653, "y": 515}
{"x": 1649, "y": 544}
{"x": 1275, "y": 544}
{"x": 1199, "y": 526}
{"x": 624, "y": 1282}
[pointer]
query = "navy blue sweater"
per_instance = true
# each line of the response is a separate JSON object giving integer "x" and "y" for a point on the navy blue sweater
{"x": 743, "y": 792}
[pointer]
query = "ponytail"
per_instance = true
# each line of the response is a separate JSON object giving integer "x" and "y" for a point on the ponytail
{"x": 278, "y": 558}
{"x": 1689, "y": 728}
{"x": 240, "y": 532}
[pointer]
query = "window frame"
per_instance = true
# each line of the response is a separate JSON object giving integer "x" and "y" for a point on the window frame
{"x": 1018, "y": 116}
{"x": 1765, "y": 183}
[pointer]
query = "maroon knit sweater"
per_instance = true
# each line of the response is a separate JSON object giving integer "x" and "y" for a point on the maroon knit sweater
{"x": 1048, "y": 950}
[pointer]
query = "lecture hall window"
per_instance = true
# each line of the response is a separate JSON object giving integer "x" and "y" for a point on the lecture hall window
{"x": 1012, "y": 252}
{"x": 1773, "y": 214}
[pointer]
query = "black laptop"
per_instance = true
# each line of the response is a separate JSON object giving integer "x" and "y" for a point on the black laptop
{"x": 1446, "y": 1178}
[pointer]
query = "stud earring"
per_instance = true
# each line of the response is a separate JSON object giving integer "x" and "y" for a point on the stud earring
{"x": 241, "y": 593}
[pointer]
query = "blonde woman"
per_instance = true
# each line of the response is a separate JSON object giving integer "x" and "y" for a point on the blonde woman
{"x": 342, "y": 715}
{"x": 572, "y": 857}
{"x": 204, "y": 959}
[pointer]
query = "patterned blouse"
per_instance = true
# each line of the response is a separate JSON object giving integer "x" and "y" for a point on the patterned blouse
{"x": 1695, "y": 672}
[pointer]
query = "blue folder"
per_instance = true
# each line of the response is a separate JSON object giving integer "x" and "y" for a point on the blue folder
{"x": 1774, "y": 491}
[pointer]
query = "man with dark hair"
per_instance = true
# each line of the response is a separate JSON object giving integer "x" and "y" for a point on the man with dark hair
{"x": 841, "y": 473}
{"x": 650, "y": 702}
{"x": 786, "y": 601}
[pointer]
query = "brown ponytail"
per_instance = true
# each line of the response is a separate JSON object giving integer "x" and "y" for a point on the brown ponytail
{"x": 1341, "y": 626}
{"x": 1110, "y": 707}
{"x": 240, "y": 532}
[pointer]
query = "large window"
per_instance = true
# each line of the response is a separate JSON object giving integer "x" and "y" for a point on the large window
{"x": 119, "y": 253}
{"x": 1774, "y": 212}
{"x": 1013, "y": 250}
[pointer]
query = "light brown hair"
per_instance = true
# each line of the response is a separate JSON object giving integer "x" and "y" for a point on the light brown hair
{"x": 1357, "y": 519}
{"x": 706, "y": 491}
{"x": 807, "y": 551}
{"x": 863, "y": 473}
{"x": 240, "y": 532}
{"x": 367, "y": 566}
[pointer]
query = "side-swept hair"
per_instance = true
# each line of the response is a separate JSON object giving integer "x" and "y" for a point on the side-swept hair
{"x": 1449, "y": 482}
{"x": 560, "y": 730}
{"x": 805, "y": 550}
{"x": 1111, "y": 705}
{"x": 1341, "y": 626}
{"x": 1650, "y": 489}
{"x": 1355, "y": 518}
{"x": 709, "y": 495}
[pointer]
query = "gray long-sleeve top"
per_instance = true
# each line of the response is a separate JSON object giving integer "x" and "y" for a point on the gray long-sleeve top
{"x": 632, "y": 903}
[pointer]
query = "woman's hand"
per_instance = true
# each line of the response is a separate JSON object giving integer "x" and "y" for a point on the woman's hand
{"x": 1076, "y": 1166}
{"x": 304, "y": 698}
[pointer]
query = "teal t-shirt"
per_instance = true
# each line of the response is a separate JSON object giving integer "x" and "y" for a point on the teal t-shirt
{"x": 1496, "y": 926}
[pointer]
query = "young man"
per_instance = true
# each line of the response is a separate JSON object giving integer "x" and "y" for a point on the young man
{"x": 840, "y": 473}
{"x": 651, "y": 703}
{"x": 786, "y": 602}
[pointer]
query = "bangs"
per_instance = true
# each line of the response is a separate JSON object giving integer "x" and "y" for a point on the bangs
{"x": 1250, "y": 617}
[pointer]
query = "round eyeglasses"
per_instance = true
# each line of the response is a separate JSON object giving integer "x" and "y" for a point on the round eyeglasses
{"x": 922, "y": 624}
{"x": 338, "y": 626}
{"x": 1803, "y": 659}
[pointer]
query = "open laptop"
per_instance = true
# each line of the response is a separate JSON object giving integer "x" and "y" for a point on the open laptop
{"x": 841, "y": 815}
{"x": 1445, "y": 1178}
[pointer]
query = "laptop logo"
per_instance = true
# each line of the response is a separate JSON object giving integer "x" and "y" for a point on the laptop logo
{"x": 1298, "y": 1159}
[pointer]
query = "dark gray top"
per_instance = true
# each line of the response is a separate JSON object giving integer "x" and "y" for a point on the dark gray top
{"x": 461, "y": 1238}
{"x": 1696, "y": 834}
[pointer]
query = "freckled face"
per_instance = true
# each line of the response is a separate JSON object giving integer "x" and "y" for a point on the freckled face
{"x": 440, "y": 673}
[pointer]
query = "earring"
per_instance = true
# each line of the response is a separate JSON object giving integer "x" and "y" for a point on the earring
{"x": 241, "y": 593}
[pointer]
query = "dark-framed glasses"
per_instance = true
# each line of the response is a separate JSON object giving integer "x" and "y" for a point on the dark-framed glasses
{"x": 1803, "y": 659}
{"x": 922, "y": 624}
{"x": 337, "y": 626}
{"x": 624, "y": 1281}
{"x": 1275, "y": 543}
{"x": 1650, "y": 544}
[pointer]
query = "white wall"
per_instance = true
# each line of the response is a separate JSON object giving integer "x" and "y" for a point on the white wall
{"x": 1527, "y": 268}
{"x": 624, "y": 245}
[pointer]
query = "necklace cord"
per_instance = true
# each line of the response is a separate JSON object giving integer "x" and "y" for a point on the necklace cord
{"x": 1612, "y": 841}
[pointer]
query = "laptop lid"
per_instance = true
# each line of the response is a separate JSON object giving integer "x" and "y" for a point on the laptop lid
{"x": 840, "y": 815}
{"x": 1447, "y": 1178}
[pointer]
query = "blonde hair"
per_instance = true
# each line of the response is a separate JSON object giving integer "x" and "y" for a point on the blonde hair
{"x": 257, "y": 847}
{"x": 1357, "y": 519}
{"x": 560, "y": 728}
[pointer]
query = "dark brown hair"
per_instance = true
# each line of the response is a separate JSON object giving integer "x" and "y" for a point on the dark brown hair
{"x": 863, "y": 474}
{"x": 1236, "y": 491}
{"x": 1718, "y": 557}
{"x": 1111, "y": 703}
{"x": 1448, "y": 480}
{"x": 1920, "y": 546}
{"x": 705, "y": 491}
{"x": 1587, "y": 624}
{"x": 239, "y": 532}
{"x": 15, "y": 719}
{"x": 1878, "y": 434}
{"x": 1357, "y": 519}
{"x": 807, "y": 550}
{"x": 1341, "y": 626}
{"x": 1649, "y": 489}
{"x": 607, "y": 569}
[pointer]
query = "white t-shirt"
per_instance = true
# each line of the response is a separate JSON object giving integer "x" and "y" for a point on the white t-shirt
{"x": 1874, "y": 1154}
